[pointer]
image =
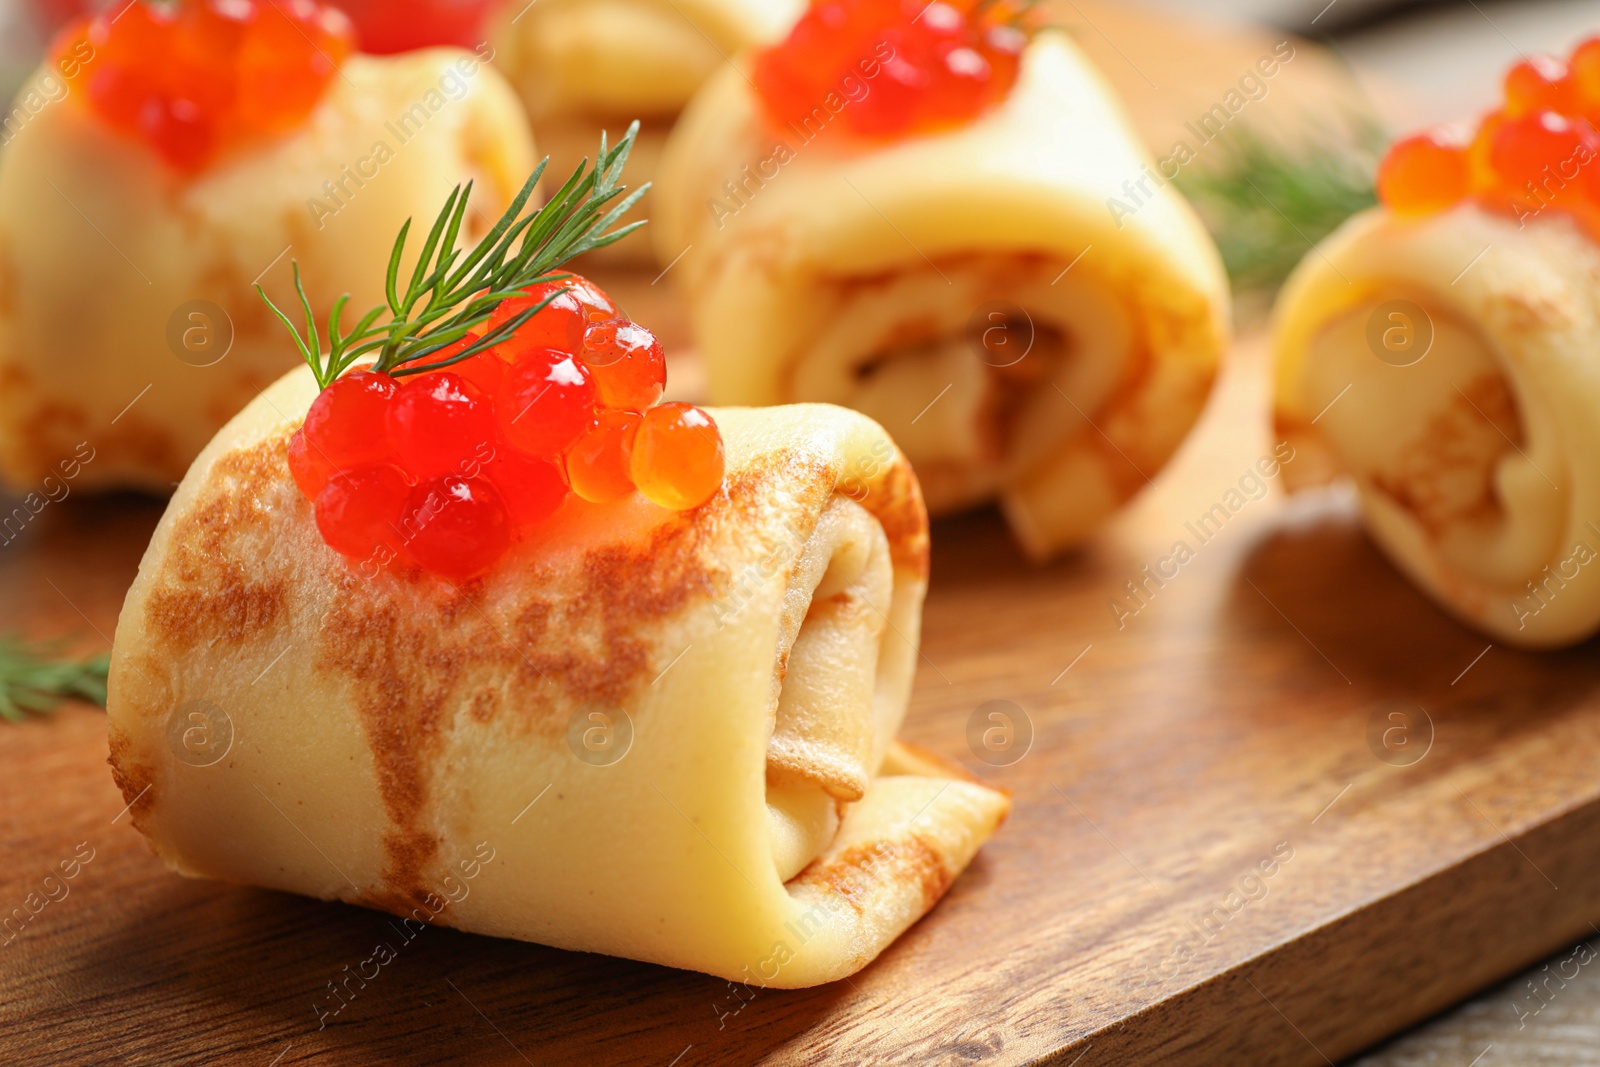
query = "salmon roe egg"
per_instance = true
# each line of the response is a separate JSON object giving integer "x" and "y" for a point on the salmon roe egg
{"x": 1545, "y": 158}
{"x": 1583, "y": 78}
{"x": 347, "y": 423}
{"x": 455, "y": 526}
{"x": 546, "y": 402}
{"x": 485, "y": 369}
{"x": 439, "y": 423}
{"x": 627, "y": 362}
{"x": 531, "y": 489}
{"x": 1425, "y": 173}
{"x": 558, "y": 324}
{"x": 359, "y": 511}
{"x": 599, "y": 462}
{"x": 678, "y": 458}
{"x": 597, "y": 306}
{"x": 193, "y": 80}
{"x": 1538, "y": 83}
{"x": 310, "y": 471}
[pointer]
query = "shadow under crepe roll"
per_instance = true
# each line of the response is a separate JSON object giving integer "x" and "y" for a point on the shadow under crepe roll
{"x": 106, "y": 255}
{"x": 1447, "y": 366}
{"x": 746, "y": 665}
{"x": 582, "y": 66}
{"x": 992, "y": 295}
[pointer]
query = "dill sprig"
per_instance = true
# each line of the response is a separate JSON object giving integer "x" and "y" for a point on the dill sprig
{"x": 451, "y": 292}
{"x": 32, "y": 681}
{"x": 1266, "y": 201}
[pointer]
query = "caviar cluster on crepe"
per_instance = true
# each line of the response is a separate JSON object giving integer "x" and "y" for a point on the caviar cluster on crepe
{"x": 192, "y": 79}
{"x": 907, "y": 66}
{"x": 384, "y": 27}
{"x": 1535, "y": 152}
{"x": 492, "y": 400}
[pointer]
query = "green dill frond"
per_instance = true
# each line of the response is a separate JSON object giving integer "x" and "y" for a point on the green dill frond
{"x": 450, "y": 292}
{"x": 1267, "y": 201}
{"x": 33, "y": 681}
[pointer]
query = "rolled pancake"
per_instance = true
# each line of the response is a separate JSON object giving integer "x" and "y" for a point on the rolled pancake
{"x": 978, "y": 292}
{"x": 113, "y": 267}
{"x": 701, "y": 703}
{"x": 1446, "y": 366}
{"x": 582, "y": 66}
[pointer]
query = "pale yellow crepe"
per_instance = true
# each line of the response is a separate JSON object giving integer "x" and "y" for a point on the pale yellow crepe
{"x": 582, "y": 66}
{"x": 659, "y": 735}
{"x": 1448, "y": 366}
{"x": 122, "y": 281}
{"x": 1024, "y": 327}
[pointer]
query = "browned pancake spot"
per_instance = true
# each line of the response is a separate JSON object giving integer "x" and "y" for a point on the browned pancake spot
{"x": 1446, "y": 474}
{"x": 204, "y": 592}
{"x": 899, "y": 509}
{"x": 855, "y": 873}
{"x": 132, "y": 777}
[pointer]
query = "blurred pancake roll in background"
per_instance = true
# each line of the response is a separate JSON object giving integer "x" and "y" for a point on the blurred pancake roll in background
{"x": 188, "y": 154}
{"x": 581, "y": 66}
{"x": 947, "y": 225}
{"x": 1440, "y": 351}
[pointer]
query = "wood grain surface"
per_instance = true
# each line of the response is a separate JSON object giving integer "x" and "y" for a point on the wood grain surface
{"x": 1212, "y": 859}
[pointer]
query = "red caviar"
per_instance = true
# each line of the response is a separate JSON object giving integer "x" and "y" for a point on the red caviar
{"x": 446, "y": 468}
{"x": 456, "y": 526}
{"x": 890, "y": 68}
{"x": 558, "y": 325}
{"x": 359, "y": 511}
{"x": 627, "y": 363}
{"x": 546, "y": 402}
{"x": 1425, "y": 173}
{"x": 1537, "y": 152}
{"x": 678, "y": 459}
{"x": 194, "y": 79}
{"x": 600, "y": 461}
{"x": 387, "y": 26}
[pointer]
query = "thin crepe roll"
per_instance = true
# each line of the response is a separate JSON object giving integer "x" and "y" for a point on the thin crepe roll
{"x": 122, "y": 281}
{"x": 582, "y": 66}
{"x": 698, "y": 704}
{"x": 982, "y": 293}
{"x": 1444, "y": 365}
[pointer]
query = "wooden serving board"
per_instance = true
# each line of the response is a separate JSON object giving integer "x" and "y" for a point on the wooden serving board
{"x": 1214, "y": 857}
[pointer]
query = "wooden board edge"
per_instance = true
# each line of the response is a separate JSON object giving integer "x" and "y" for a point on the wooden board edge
{"x": 1403, "y": 957}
